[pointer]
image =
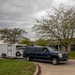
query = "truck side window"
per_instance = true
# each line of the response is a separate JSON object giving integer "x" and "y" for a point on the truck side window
{"x": 39, "y": 49}
{"x": 27, "y": 49}
{"x": 45, "y": 50}
{"x": 32, "y": 49}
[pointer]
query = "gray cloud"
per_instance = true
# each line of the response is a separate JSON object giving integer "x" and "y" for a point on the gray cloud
{"x": 21, "y": 9}
{"x": 72, "y": 0}
{"x": 6, "y": 25}
{"x": 21, "y": 13}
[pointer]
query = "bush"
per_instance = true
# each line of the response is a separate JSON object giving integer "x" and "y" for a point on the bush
{"x": 72, "y": 55}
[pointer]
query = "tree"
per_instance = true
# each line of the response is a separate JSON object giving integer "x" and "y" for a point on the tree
{"x": 12, "y": 35}
{"x": 26, "y": 41}
{"x": 42, "y": 42}
{"x": 58, "y": 24}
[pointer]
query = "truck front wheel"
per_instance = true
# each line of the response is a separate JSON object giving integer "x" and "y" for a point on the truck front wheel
{"x": 54, "y": 61}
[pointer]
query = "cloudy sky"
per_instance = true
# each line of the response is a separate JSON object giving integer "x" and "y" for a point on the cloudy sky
{"x": 22, "y": 13}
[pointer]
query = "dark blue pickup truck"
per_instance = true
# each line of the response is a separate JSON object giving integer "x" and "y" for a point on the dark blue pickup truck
{"x": 45, "y": 53}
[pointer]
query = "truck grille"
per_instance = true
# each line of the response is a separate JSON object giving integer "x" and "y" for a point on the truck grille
{"x": 65, "y": 55}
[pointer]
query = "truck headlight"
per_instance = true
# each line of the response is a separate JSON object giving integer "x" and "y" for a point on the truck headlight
{"x": 60, "y": 55}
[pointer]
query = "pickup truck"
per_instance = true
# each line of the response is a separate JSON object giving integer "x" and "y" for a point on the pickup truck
{"x": 45, "y": 53}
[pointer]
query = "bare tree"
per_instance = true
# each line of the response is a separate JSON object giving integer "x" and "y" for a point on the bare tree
{"x": 59, "y": 23}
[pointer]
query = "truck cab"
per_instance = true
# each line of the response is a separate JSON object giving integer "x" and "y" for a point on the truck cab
{"x": 45, "y": 53}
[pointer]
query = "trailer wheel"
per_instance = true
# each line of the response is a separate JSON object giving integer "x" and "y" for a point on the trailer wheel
{"x": 18, "y": 53}
{"x": 4, "y": 55}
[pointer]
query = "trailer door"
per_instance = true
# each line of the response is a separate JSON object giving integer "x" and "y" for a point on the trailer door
{"x": 9, "y": 50}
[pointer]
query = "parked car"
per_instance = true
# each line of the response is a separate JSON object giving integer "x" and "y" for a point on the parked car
{"x": 45, "y": 53}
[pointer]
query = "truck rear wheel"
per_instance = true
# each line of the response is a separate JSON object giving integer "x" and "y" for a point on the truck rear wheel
{"x": 54, "y": 61}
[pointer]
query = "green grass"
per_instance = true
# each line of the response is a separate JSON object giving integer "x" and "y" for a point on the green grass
{"x": 16, "y": 67}
{"x": 72, "y": 55}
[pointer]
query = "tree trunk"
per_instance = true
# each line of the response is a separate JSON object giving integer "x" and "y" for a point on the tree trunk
{"x": 66, "y": 48}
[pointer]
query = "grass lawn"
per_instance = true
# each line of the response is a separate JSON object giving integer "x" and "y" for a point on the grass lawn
{"x": 72, "y": 55}
{"x": 16, "y": 67}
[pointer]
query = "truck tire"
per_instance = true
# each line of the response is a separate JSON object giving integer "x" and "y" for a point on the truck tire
{"x": 55, "y": 61}
{"x": 27, "y": 58}
{"x": 18, "y": 53}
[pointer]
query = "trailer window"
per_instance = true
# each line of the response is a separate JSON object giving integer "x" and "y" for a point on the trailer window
{"x": 20, "y": 47}
{"x": 9, "y": 47}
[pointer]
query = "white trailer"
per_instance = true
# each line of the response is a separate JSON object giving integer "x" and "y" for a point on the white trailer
{"x": 12, "y": 50}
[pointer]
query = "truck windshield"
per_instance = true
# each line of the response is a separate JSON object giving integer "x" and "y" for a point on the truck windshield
{"x": 52, "y": 49}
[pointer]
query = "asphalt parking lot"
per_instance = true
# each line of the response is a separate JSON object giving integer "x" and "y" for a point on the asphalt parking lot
{"x": 61, "y": 69}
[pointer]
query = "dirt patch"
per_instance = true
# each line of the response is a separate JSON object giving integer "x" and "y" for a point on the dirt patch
{"x": 39, "y": 70}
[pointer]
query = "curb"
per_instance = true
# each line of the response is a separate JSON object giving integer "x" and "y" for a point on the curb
{"x": 38, "y": 70}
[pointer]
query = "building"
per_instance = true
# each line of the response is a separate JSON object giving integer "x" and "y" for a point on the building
{"x": 60, "y": 47}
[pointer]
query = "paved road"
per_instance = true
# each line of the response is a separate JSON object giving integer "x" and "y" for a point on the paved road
{"x": 61, "y": 69}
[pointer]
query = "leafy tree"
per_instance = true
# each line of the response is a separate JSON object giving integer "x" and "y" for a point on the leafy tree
{"x": 42, "y": 42}
{"x": 12, "y": 35}
{"x": 26, "y": 41}
{"x": 59, "y": 24}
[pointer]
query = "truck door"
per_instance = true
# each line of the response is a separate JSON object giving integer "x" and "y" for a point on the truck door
{"x": 39, "y": 53}
{"x": 9, "y": 50}
{"x": 32, "y": 52}
{"x": 45, "y": 54}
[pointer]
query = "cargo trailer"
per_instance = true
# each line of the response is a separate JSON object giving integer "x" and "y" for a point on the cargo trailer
{"x": 12, "y": 50}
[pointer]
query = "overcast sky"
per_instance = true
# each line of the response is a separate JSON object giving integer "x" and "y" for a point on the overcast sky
{"x": 22, "y": 13}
